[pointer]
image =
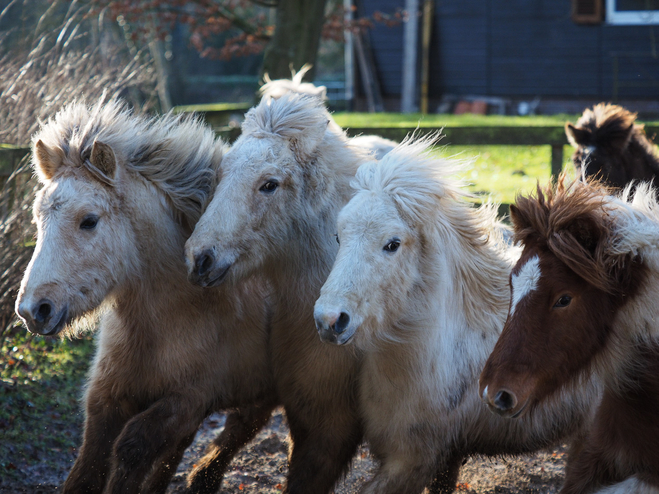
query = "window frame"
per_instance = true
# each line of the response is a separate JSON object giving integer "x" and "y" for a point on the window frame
{"x": 630, "y": 17}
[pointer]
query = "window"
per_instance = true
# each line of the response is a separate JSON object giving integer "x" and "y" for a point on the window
{"x": 587, "y": 11}
{"x": 632, "y": 12}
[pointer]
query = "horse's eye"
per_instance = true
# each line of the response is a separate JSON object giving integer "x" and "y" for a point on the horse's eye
{"x": 269, "y": 187}
{"x": 392, "y": 246}
{"x": 563, "y": 301}
{"x": 89, "y": 222}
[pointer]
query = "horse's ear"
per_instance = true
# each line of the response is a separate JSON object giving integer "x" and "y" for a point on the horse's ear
{"x": 587, "y": 232}
{"x": 519, "y": 220}
{"x": 103, "y": 158}
{"x": 47, "y": 160}
{"x": 576, "y": 135}
{"x": 305, "y": 144}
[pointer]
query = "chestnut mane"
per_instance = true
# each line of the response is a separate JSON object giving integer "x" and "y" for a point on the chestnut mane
{"x": 574, "y": 223}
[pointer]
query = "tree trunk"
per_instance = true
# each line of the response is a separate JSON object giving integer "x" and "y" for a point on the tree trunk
{"x": 297, "y": 36}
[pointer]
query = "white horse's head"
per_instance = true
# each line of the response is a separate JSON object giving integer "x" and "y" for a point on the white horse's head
{"x": 84, "y": 243}
{"x": 383, "y": 233}
{"x": 286, "y": 167}
{"x": 110, "y": 180}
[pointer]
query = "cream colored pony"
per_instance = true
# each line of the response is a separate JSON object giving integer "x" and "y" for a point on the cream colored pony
{"x": 273, "y": 214}
{"x": 420, "y": 285}
{"x": 377, "y": 145}
{"x": 120, "y": 196}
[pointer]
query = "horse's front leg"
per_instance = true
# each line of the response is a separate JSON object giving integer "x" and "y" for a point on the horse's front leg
{"x": 409, "y": 471}
{"x": 241, "y": 426}
{"x": 155, "y": 433}
{"x": 323, "y": 446}
{"x": 104, "y": 419}
{"x": 165, "y": 468}
{"x": 446, "y": 475}
{"x": 587, "y": 471}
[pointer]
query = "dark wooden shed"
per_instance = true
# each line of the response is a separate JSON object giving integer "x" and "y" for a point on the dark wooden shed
{"x": 528, "y": 48}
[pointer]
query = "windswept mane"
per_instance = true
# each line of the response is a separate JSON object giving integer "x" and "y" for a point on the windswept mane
{"x": 289, "y": 116}
{"x": 178, "y": 154}
{"x": 420, "y": 184}
{"x": 577, "y": 223}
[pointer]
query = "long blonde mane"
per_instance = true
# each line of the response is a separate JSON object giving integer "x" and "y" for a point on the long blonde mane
{"x": 178, "y": 154}
{"x": 428, "y": 197}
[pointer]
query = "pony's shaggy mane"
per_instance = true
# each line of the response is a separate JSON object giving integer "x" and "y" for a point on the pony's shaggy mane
{"x": 576, "y": 222}
{"x": 178, "y": 154}
{"x": 420, "y": 184}
{"x": 289, "y": 116}
{"x": 414, "y": 180}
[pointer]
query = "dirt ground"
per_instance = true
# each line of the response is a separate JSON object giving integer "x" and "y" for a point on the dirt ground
{"x": 261, "y": 468}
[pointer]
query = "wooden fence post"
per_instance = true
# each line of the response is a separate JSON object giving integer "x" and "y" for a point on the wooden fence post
{"x": 556, "y": 160}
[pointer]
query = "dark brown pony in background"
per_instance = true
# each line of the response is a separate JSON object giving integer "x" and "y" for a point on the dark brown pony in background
{"x": 584, "y": 298}
{"x": 610, "y": 146}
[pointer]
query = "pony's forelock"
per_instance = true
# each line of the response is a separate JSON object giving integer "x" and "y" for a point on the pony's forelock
{"x": 178, "y": 154}
{"x": 290, "y": 116}
{"x": 585, "y": 228}
{"x": 413, "y": 178}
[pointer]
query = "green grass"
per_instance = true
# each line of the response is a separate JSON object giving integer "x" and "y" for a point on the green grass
{"x": 501, "y": 172}
{"x": 40, "y": 389}
{"x": 359, "y": 120}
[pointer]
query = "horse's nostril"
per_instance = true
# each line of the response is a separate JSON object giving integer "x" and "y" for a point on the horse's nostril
{"x": 43, "y": 311}
{"x": 341, "y": 323}
{"x": 204, "y": 262}
{"x": 504, "y": 400}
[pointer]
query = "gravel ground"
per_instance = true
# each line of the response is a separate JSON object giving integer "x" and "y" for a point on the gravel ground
{"x": 261, "y": 468}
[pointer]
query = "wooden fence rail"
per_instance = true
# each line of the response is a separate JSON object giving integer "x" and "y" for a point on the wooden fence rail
{"x": 553, "y": 136}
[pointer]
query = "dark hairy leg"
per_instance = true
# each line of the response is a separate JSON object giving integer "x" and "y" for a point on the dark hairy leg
{"x": 149, "y": 435}
{"x": 321, "y": 455}
{"x": 102, "y": 425}
{"x": 241, "y": 426}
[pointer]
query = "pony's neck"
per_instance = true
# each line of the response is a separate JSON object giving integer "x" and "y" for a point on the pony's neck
{"x": 300, "y": 268}
{"x": 160, "y": 279}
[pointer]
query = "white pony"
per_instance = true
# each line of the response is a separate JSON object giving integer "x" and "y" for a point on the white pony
{"x": 420, "y": 285}
{"x": 378, "y": 146}
{"x": 273, "y": 214}
{"x": 121, "y": 194}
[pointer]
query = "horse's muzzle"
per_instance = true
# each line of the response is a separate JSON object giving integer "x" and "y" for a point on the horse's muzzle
{"x": 332, "y": 327}
{"x": 42, "y": 318}
{"x": 207, "y": 271}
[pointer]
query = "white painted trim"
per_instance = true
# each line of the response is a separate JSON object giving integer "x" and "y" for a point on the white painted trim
{"x": 638, "y": 17}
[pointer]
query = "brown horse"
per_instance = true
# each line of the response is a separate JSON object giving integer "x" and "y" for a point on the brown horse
{"x": 121, "y": 194}
{"x": 583, "y": 301}
{"x": 612, "y": 147}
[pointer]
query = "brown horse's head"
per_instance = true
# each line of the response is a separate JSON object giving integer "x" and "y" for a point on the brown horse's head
{"x": 610, "y": 146}
{"x": 566, "y": 289}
